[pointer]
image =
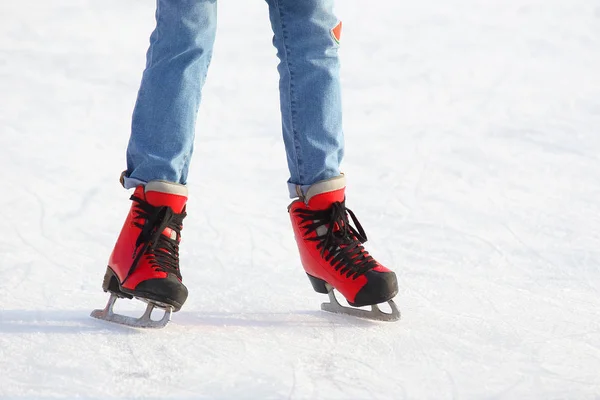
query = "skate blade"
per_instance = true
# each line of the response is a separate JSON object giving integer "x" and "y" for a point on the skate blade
{"x": 375, "y": 314}
{"x": 144, "y": 321}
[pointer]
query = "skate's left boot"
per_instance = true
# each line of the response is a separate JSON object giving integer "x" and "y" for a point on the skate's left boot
{"x": 333, "y": 255}
{"x": 145, "y": 260}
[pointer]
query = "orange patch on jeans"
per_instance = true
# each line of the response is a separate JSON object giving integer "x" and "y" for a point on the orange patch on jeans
{"x": 336, "y": 32}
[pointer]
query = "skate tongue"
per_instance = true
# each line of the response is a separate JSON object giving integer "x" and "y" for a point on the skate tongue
{"x": 325, "y": 200}
{"x": 324, "y": 193}
{"x": 162, "y": 193}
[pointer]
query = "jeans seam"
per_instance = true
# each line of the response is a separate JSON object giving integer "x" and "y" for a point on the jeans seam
{"x": 284, "y": 39}
{"x": 157, "y": 33}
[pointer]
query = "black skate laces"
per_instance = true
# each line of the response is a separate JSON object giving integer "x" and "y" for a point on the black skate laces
{"x": 341, "y": 245}
{"x": 162, "y": 251}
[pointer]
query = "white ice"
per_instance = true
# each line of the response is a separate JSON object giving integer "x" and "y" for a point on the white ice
{"x": 473, "y": 146}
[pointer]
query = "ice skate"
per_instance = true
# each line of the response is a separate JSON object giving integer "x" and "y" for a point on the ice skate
{"x": 333, "y": 256}
{"x": 145, "y": 261}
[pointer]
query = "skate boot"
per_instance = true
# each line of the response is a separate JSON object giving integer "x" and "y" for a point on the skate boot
{"x": 333, "y": 256}
{"x": 145, "y": 260}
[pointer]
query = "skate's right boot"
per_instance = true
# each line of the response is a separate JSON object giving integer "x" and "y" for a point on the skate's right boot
{"x": 145, "y": 260}
{"x": 333, "y": 256}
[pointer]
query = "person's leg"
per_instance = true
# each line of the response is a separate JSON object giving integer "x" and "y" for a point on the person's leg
{"x": 307, "y": 44}
{"x": 331, "y": 250}
{"x": 145, "y": 260}
{"x": 164, "y": 118}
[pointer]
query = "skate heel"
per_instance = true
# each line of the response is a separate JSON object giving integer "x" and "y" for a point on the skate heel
{"x": 319, "y": 285}
{"x": 111, "y": 284}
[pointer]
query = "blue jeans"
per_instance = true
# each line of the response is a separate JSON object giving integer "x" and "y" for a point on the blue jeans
{"x": 164, "y": 118}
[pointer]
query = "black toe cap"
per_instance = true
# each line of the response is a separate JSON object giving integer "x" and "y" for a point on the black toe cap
{"x": 380, "y": 287}
{"x": 168, "y": 290}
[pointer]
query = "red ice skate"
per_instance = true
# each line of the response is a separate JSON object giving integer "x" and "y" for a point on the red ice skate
{"x": 145, "y": 261}
{"x": 333, "y": 256}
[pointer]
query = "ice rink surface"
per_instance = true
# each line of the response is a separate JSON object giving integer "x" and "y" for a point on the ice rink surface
{"x": 473, "y": 145}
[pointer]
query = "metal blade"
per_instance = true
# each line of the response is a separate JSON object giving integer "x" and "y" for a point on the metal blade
{"x": 144, "y": 321}
{"x": 374, "y": 314}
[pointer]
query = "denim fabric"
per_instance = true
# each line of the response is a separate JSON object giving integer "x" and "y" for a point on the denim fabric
{"x": 164, "y": 119}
